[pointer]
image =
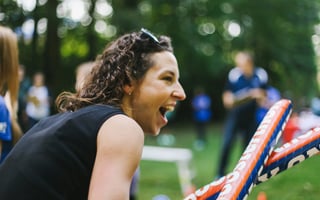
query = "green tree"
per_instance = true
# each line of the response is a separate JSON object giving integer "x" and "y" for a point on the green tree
{"x": 205, "y": 36}
{"x": 279, "y": 32}
{"x": 62, "y": 44}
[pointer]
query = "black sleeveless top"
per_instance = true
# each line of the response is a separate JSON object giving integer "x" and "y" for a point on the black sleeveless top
{"x": 54, "y": 160}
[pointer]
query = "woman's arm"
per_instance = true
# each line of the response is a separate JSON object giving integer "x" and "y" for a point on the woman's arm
{"x": 119, "y": 148}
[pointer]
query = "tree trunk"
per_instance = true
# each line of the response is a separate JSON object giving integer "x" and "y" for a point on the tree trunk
{"x": 52, "y": 47}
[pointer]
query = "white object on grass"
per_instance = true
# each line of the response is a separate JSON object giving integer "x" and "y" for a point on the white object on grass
{"x": 180, "y": 156}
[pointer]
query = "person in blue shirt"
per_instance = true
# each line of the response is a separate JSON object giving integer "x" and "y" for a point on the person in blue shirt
{"x": 272, "y": 96}
{"x": 10, "y": 130}
{"x": 201, "y": 104}
{"x": 5, "y": 130}
{"x": 244, "y": 89}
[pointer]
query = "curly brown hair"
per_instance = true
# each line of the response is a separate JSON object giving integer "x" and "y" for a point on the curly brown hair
{"x": 124, "y": 60}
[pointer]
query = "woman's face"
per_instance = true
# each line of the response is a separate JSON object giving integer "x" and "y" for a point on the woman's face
{"x": 157, "y": 93}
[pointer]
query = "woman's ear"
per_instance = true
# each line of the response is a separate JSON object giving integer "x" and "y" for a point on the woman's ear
{"x": 128, "y": 89}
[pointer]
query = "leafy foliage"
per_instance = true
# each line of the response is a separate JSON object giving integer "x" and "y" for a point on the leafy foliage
{"x": 205, "y": 36}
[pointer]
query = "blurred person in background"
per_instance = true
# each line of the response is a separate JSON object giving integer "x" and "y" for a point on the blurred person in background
{"x": 38, "y": 100}
{"x": 91, "y": 149}
{"x": 24, "y": 86}
{"x": 201, "y": 105}
{"x": 82, "y": 71}
{"x": 272, "y": 96}
{"x": 244, "y": 90}
{"x": 315, "y": 105}
{"x": 10, "y": 130}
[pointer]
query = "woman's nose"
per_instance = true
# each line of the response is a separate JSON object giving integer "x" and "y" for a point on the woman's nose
{"x": 179, "y": 93}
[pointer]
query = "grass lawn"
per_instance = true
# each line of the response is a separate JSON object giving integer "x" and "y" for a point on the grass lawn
{"x": 299, "y": 182}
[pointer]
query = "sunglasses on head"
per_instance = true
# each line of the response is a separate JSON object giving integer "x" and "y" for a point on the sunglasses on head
{"x": 147, "y": 34}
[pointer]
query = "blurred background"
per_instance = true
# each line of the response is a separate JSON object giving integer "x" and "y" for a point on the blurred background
{"x": 55, "y": 36}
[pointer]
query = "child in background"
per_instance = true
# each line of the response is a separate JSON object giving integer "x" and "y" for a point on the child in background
{"x": 201, "y": 104}
{"x": 38, "y": 106}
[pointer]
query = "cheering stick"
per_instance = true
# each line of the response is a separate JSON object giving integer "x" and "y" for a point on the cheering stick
{"x": 291, "y": 153}
{"x": 240, "y": 182}
{"x": 250, "y": 164}
{"x": 281, "y": 159}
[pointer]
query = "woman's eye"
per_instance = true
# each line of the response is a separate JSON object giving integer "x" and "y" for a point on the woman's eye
{"x": 168, "y": 78}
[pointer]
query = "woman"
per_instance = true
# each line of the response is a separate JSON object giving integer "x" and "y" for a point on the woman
{"x": 91, "y": 149}
{"x": 9, "y": 86}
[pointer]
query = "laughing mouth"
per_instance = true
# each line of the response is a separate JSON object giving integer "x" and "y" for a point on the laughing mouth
{"x": 165, "y": 109}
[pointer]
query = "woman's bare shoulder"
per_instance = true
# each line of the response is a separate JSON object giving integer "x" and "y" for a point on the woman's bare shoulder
{"x": 121, "y": 128}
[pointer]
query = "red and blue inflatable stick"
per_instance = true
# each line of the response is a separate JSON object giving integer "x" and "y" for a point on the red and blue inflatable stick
{"x": 291, "y": 153}
{"x": 282, "y": 158}
{"x": 241, "y": 180}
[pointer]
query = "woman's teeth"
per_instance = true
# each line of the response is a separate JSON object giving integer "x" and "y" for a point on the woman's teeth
{"x": 169, "y": 108}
